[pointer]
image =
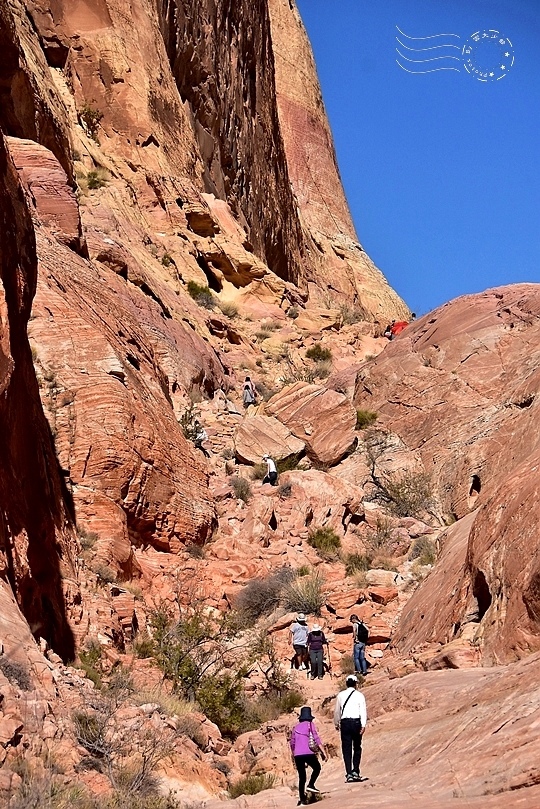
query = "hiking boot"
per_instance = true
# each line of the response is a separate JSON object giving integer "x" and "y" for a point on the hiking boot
{"x": 355, "y": 775}
{"x": 320, "y": 676}
{"x": 350, "y": 778}
{"x": 314, "y": 790}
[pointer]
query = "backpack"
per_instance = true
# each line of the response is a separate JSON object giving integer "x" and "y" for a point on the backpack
{"x": 248, "y": 397}
{"x": 362, "y": 633}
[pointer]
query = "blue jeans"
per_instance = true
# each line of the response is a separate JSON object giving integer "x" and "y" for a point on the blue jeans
{"x": 359, "y": 658}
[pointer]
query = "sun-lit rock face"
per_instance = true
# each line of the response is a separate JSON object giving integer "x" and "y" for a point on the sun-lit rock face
{"x": 460, "y": 388}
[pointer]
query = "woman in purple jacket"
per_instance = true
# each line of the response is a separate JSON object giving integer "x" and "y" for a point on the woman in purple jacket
{"x": 304, "y": 756}
{"x": 315, "y": 644}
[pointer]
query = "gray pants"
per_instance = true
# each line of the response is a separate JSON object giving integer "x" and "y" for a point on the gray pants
{"x": 317, "y": 668}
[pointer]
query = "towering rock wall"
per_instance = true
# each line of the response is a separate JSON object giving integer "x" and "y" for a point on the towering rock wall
{"x": 335, "y": 265}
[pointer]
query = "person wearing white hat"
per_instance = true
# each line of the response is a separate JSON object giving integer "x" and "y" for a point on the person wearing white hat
{"x": 271, "y": 474}
{"x": 350, "y": 718}
{"x": 316, "y": 643}
{"x": 299, "y": 632}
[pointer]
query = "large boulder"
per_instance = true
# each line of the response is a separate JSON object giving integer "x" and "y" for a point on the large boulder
{"x": 258, "y": 435}
{"x": 324, "y": 419}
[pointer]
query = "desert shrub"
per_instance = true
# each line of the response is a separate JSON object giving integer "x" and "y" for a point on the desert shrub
{"x": 258, "y": 472}
{"x": 384, "y": 563}
{"x": 91, "y": 732}
{"x": 194, "y": 550}
{"x": 365, "y": 418}
{"x": 352, "y": 314}
{"x": 222, "y": 700}
{"x": 305, "y": 594}
{"x": 285, "y": 490}
{"x": 105, "y": 574}
{"x": 303, "y": 570}
{"x": 91, "y": 117}
{"x": 227, "y": 453}
{"x": 408, "y": 495}
{"x": 270, "y": 706}
{"x": 228, "y": 309}
{"x": 89, "y": 659}
{"x": 189, "y": 725}
{"x": 325, "y": 541}
{"x": 322, "y": 369}
{"x": 381, "y": 539}
{"x": 97, "y": 178}
{"x": 16, "y": 673}
{"x": 241, "y": 488}
{"x": 287, "y": 464}
{"x": 167, "y": 260}
{"x": 424, "y": 550}
{"x": 187, "y": 422}
{"x": 347, "y": 664}
{"x": 251, "y": 785}
{"x": 201, "y": 294}
{"x": 318, "y": 353}
{"x": 293, "y": 312}
{"x": 355, "y": 562}
{"x": 264, "y": 391}
{"x": 261, "y": 596}
{"x": 87, "y": 538}
{"x": 143, "y": 647}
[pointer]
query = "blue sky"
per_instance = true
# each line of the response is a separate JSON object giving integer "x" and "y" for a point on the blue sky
{"x": 442, "y": 171}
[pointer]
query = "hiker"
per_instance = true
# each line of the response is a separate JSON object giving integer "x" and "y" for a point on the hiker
{"x": 249, "y": 394}
{"x": 360, "y": 639}
{"x": 299, "y": 632}
{"x": 350, "y": 718}
{"x": 315, "y": 643}
{"x": 271, "y": 474}
{"x": 398, "y": 327}
{"x": 305, "y": 743}
{"x": 388, "y": 331}
{"x": 200, "y": 436}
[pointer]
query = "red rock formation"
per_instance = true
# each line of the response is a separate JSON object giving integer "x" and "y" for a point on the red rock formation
{"x": 36, "y": 514}
{"x": 459, "y": 387}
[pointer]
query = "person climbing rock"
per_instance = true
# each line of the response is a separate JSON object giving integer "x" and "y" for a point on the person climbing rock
{"x": 249, "y": 394}
{"x": 200, "y": 436}
{"x": 316, "y": 642}
{"x": 305, "y": 744}
{"x": 397, "y": 328}
{"x": 299, "y": 632}
{"x": 360, "y": 639}
{"x": 350, "y": 718}
{"x": 388, "y": 331}
{"x": 271, "y": 474}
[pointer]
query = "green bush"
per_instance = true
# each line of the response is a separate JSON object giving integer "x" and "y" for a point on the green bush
{"x": 305, "y": 593}
{"x": 222, "y": 700}
{"x": 96, "y": 179}
{"x": 143, "y": 647}
{"x": 87, "y": 538}
{"x": 251, "y": 785}
{"x": 365, "y": 418}
{"x": 409, "y": 495}
{"x": 355, "y": 562}
{"x": 201, "y": 294}
{"x": 424, "y": 550}
{"x": 318, "y": 353}
{"x": 242, "y": 489}
{"x": 325, "y": 541}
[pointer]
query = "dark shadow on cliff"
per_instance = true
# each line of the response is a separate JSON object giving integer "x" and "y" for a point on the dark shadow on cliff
{"x": 36, "y": 526}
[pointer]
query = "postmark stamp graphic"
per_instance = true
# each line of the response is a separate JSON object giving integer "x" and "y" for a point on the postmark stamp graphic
{"x": 488, "y": 55}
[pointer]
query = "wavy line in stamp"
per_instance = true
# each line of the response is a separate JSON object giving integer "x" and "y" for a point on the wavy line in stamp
{"x": 435, "y": 47}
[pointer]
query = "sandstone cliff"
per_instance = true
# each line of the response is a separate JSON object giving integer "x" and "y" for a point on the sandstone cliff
{"x": 173, "y": 220}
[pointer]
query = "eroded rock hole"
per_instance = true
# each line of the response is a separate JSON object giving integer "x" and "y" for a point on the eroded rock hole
{"x": 273, "y": 522}
{"x": 482, "y": 594}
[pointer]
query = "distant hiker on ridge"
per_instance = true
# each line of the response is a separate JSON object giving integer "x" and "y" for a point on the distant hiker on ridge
{"x": 271, "y": 474}
{"x": 249, "y": 394}
{"x": 350, "y": 718}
